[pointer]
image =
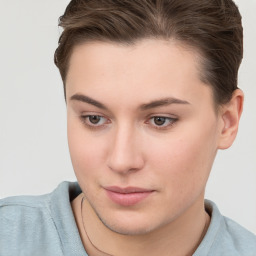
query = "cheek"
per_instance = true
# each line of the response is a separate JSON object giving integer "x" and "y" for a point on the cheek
{"x": 86, "y": 151}
{"x": 184, "y": 161}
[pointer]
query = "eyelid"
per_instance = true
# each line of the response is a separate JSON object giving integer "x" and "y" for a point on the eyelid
{"x": 84, "y": 117}
{"x": 172, "y": 119}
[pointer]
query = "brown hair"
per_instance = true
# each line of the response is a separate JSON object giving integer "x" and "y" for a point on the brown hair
{"x": 213, "y": 27}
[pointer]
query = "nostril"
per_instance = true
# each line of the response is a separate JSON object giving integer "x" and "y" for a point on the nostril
{"x": 123, "y": 170}
{"x": 125, "y": 163}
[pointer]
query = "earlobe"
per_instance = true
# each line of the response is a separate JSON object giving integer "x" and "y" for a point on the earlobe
{"x": 230, "y": 116}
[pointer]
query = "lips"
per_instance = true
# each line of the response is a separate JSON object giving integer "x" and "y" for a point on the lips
{"x": 128, "y": 196}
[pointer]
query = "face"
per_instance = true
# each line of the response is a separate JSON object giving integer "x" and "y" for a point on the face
{"x": 142, "y": 131}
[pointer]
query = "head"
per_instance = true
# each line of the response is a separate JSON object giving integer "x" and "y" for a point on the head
{"x": 151, "y": 91}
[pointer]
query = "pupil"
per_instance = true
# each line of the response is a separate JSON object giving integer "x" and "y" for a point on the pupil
{"x": 159, "y": 120}
{"x": 94, "y": 119}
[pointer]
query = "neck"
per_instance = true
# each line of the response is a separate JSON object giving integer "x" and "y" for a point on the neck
{"x": 180, "y": 237}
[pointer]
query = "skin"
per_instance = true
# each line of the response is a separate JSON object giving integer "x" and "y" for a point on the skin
{"x": 129, "y": 147}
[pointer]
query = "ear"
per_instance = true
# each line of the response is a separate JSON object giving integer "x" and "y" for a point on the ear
{"x": 230, "y": 114}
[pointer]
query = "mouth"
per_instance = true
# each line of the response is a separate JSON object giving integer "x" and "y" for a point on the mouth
{"x": 128, "y": 196}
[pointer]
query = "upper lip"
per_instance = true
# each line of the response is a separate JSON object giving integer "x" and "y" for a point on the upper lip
{"x": 127, "y": 190}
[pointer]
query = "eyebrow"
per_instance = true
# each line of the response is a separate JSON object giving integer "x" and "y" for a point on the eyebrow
{"x": 162, "y": 102}
{"x": 143, "y": 107}
{"x": 86, "y": 99}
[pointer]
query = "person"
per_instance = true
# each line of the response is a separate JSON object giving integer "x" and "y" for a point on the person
{"x": 151, "y": 94}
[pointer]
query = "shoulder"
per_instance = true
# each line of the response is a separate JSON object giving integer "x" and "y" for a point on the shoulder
{"x": 27, "y": 223}
{"x": 66, "y": 191}
{"x": 23, "y": 212}
{"x": 243, "y": 240}
{"x": 225, "y": 237}
{"x": 11, "y": 206}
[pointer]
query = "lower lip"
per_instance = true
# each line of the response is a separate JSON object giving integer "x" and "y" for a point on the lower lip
{"x": 128, "y": 199}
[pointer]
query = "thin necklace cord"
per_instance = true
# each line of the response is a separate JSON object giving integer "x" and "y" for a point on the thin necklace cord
{"x": 96, "y": 248}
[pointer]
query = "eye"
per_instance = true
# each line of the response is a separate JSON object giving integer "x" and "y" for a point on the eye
{"x": 94, "y": 121}
{"x": 161, "y": 122}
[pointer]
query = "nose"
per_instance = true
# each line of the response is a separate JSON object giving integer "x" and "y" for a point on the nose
{"x": 125, "y": 153}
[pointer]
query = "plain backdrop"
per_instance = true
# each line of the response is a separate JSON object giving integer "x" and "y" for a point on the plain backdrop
{"x": 34, "y": 155}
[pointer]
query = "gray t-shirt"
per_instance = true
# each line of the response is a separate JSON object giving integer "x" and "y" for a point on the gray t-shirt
{"x": 45, "y": 226}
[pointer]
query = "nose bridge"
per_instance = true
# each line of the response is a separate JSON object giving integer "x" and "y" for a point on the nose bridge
{"x": 125, "y": 154}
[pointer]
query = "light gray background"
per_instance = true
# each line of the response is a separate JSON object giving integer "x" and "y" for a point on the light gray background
{"x": 34, "y": 154}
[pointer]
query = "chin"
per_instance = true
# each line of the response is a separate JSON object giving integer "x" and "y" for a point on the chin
{"x": 134, "y": 230}
{"x": 131, "y": 224}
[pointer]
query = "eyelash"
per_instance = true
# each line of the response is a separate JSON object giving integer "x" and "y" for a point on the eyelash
{"x": 171, "y": 120}
{"x": 85, "y": 120}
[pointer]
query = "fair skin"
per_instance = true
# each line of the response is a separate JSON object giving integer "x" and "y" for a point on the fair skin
{"x": 166, "y": 149}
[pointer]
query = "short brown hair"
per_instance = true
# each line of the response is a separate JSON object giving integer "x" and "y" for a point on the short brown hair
{"x": 213, "y": 27}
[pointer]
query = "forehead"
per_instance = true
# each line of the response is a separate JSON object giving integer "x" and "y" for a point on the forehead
{"x": 143, "y": 54}
{"x": 144, "y": 69}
